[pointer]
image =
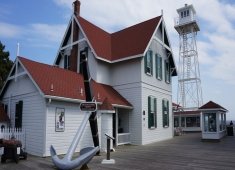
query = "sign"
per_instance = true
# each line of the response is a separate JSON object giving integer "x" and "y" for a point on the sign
{"x": 88, "y": 106}
{"x": 60, "y": 119}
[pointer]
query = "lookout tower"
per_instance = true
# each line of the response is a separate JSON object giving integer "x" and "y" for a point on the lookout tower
{"x": 189, "y": 83}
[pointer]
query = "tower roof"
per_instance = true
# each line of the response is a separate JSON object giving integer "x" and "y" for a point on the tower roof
{"x": 186, "y": 6}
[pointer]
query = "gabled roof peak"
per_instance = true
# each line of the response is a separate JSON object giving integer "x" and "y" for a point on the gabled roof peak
{"x": 212, "y": 105}
{"x": 128, "y": 42}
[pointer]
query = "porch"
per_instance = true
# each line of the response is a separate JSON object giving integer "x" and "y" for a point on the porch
{"x": 121, "y": 127}
{"x": 188, "y": 123}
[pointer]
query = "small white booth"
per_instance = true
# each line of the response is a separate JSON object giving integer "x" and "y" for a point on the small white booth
{"x": 213, "y": 121}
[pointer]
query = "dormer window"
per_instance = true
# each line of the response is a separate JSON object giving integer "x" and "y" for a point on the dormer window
{"x": 148, "y": 62}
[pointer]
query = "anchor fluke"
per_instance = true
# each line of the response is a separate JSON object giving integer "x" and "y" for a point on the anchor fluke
{"x": 66, "y": 164}
{"x": 86, "y": 154}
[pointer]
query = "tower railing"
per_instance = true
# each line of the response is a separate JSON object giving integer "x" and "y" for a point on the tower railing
{"x": 180, "y": 21}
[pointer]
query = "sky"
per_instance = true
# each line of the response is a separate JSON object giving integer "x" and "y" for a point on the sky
{"x": 39, "y": 26}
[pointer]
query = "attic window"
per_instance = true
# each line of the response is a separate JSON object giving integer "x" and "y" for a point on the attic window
{"x": 148, "y": 62}
{"x": 167, "y": 71}
{"x": 158, "y": 67}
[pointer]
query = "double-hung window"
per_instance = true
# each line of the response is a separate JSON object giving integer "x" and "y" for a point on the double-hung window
{"x": 165, "y": 113}
{"x": 152, "y": 112}
{"x": 148, "y": 62}
{"x": 167, "y": 72}
{"x": 158, "y": 66}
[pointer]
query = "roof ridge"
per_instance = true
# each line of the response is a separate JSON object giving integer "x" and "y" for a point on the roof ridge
{"x": 117, "y": 45}
{"x": 132, "y": 26}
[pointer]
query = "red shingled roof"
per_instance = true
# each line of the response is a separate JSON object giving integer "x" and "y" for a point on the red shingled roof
{"x": 102, "y": 91}
{"x": 212, "y": 105}
{"x": 68, "y": 84}
{"x": 55, "y": 81}
{"x": 3, "y": 114}
{"x": 106, "y": 105}
{"x": 125, "y": 43}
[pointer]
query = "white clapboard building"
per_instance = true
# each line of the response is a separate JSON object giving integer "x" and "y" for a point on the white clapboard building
{"x": 130, "y": 77}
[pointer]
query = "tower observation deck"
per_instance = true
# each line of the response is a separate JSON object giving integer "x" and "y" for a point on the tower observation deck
{"x": 189, "y": 94}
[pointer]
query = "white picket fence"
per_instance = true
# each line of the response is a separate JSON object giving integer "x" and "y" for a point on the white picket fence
{"x": 17, "y": 133}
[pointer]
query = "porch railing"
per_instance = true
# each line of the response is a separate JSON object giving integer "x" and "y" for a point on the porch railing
{"x": 17, "y": 133}
{"x": 124, "y": 138}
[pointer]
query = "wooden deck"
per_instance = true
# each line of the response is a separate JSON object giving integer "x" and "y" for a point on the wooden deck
{"x": 179, "y": 153}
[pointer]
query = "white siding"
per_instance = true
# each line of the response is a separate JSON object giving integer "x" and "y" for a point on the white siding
{"x": 159, "y": 133}
{"x": 132, "y": 92}
{"x": 92, "y": 63}
{"x": 62, "y": 140}
{"x": 126, "y": 72}
{"x": 159, "y": 33}
{"x": 33, "y": 112}
{"x": 106, "y": 127}
{"x": 157, "y": 48}
{"x": 99, "y": 70}
{"x": 23, "y": 85}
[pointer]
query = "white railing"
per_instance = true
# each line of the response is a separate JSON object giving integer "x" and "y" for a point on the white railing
{"x": 124, "y": 138}
{"x": 180, "y": 21}
{"x": 17, "y": 133}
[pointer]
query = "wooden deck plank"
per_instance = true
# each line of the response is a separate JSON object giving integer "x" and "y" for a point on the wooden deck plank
{"x": 185, "y": 152}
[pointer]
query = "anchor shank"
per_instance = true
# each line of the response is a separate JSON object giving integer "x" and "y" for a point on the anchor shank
{"x": 77, "y": 137}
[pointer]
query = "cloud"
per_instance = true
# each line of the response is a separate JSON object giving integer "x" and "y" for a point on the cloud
{"x": 41, "y": 34}
{"x": 64, "y": 3}
{"x": 9, "y": 30}
{"x": 51, "y": 33}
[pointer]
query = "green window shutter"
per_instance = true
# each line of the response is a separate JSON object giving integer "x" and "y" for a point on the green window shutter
{"x": 156, "y": 65}
{"x": 148, "y": 62}
{"x": 149, "y": 112}
{"x": 155, "y": 112}
{"x": 145, "y": 63}
{"x": 167, "y": 113}
{"x": 165, "y": 71}
{"x": 163, "y": 116}
{"x": 18, "y": 114}
{"x": 21, "y": 107}
{"x": 160, "y": 65}
{"x": 151, "y": 62}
